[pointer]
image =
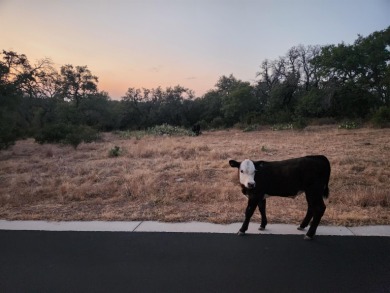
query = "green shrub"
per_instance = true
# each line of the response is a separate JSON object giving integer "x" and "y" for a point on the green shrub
{"x": 217, "y": 123}
{"x": 67, "y": 134}
{"x": 8, "y": 136}
{"x": 159, "y": 130}
{"x": 300, "y": 123}
{"x": 381, "y": 118}
{"x": 251, "y": 127}
{"x": 323, "y": 121}
{"x": 166, "y": 129}
{"x": 74, "y": 139}
{"x": 88, "y": 134}
{"x": 282, "y": 126}
{"x": 114, "y": 152}
{"x": 265, "y": 149}
{"x": 349, "y": 124}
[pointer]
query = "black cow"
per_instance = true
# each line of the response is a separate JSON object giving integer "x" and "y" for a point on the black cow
{"x": 260, "y": 179}
{"x": 196, "y": 129}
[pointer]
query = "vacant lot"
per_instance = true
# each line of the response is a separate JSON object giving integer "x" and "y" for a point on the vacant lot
{"x": 189, "y": 178}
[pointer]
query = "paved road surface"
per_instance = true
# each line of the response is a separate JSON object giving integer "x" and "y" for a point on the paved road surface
{"x": 43, "y": 261}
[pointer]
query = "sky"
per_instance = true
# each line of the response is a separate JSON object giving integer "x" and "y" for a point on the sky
{"x": 192, "y": 43}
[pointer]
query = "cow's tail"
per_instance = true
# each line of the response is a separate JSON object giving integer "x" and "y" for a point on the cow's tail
{"x": 327, "y": 172}
{"x": 326, "y": 191}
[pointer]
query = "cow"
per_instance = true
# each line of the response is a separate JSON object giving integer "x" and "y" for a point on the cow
{"x": 196, "y": 129}
{"x": 288, "y": 178}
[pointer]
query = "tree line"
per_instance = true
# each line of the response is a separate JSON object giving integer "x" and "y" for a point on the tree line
{"x": 309, "y": 82}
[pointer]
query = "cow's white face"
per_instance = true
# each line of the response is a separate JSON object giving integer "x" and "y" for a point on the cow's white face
{"x": 246, "y": 173}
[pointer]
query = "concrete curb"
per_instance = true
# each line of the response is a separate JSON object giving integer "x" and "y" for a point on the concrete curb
{"x": 191, "y": 227}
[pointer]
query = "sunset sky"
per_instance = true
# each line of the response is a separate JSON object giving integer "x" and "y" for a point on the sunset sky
{"x": 151, "y": 43}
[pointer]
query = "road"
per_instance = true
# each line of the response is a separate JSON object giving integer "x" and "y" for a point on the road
{"x": 47, "y": 261}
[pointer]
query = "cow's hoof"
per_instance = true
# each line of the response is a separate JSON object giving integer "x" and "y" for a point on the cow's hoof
{"x": 300, "y": 228}
{"x": 262, "y": 228}
{"x": 307, "y": 238}
{"x": 239, "y": 233}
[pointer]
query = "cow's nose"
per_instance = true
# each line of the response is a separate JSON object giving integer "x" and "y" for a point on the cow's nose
{"x": 251, "y": 185}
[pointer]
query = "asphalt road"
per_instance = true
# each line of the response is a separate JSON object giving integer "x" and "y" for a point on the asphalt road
{"x": 38, "y": 261}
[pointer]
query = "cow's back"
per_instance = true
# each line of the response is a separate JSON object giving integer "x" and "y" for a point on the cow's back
{"x": 319, "y": 167}
{"x": 289, "y": 177}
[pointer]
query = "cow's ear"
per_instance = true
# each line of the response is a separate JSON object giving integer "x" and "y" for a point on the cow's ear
{"x": 234, "y": 164}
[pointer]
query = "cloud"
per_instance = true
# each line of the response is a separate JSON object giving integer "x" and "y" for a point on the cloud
{"x": 156, "y": 69}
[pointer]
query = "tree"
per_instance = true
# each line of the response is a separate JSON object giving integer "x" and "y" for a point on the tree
{"x": 374, "y": 53}
{"x": 77, "y": 83}
{"x": 34, "y": 81}
{"x": 132, "y": 115}
{"x": 211, "y": 104}
{"x": 312, "y": 104}
{"x": 171, "y": 106}
{"x": 237, "y": 99}
{"x": 310, "y": 76}
{"x": 96, "y": 111}
{"x": 226, "y": 84}
{"x": 10, "y": 95}
{"x": 239, "y": 103}
{"x": 362, "y": 66}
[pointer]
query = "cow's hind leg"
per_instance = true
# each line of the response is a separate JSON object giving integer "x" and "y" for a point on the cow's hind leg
{"x": 318, "y": 208}
{"x": 262, "y": 208}
{"x": 252, "y": 203}
{"x": 309, "y": 215}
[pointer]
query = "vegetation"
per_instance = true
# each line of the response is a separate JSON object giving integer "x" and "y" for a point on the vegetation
{"x": 344, "y": 85}
{"x": 114, "y": 152}
{"x": 187, "y": 178}
{"x": 349, "y": 125}
{"x": 67, "y": 134}
{"x": 339, "y": 82}
{"x": 169, "y": 130}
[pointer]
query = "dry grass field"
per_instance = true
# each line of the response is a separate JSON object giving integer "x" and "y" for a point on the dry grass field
{"x": 189, "y": 178}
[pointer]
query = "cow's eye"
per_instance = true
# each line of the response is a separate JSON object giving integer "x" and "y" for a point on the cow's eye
{"x": 242, "y": 171}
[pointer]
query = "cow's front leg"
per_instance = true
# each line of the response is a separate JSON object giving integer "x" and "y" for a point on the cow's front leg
{"x": 262, "y": 207}
{"x": 250, "y": 209}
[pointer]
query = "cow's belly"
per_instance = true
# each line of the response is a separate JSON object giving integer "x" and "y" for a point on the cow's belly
{"x": 285, "y": 195}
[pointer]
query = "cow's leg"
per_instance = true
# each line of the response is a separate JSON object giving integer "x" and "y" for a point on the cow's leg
{"x": 318, "y": 211}
{"x": 250, "y": 209}
{"x": 262, "y": 207}
{"x": 309, "y": 215}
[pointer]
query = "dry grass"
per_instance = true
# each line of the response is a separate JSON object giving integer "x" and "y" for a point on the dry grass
{"x": 189, "y": 179}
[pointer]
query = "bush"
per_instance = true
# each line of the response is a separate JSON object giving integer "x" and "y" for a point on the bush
{"x": 381, "y": 118}
{"x": 300, "y": 123}
{"x": 8, "y": 136}
{"x": 217, "y": 123}
{"x": 55, "y": 133}
{"x": 114, "y": 152}
{"x": 349, "y": 124}
{"x": 251, "y": 127}
{"x": 166, "y": 129}
{"x": 67, "y": 134}
{"x": 284, "y": 126}
{"x": 277, "y": 117}
{"x": 311, "y": 104}
{"x": 323, "y": 121}
{"x": 160, "y": 130}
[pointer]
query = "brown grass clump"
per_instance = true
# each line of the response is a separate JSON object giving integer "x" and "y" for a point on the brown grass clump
{"x": 189, "y": 179}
